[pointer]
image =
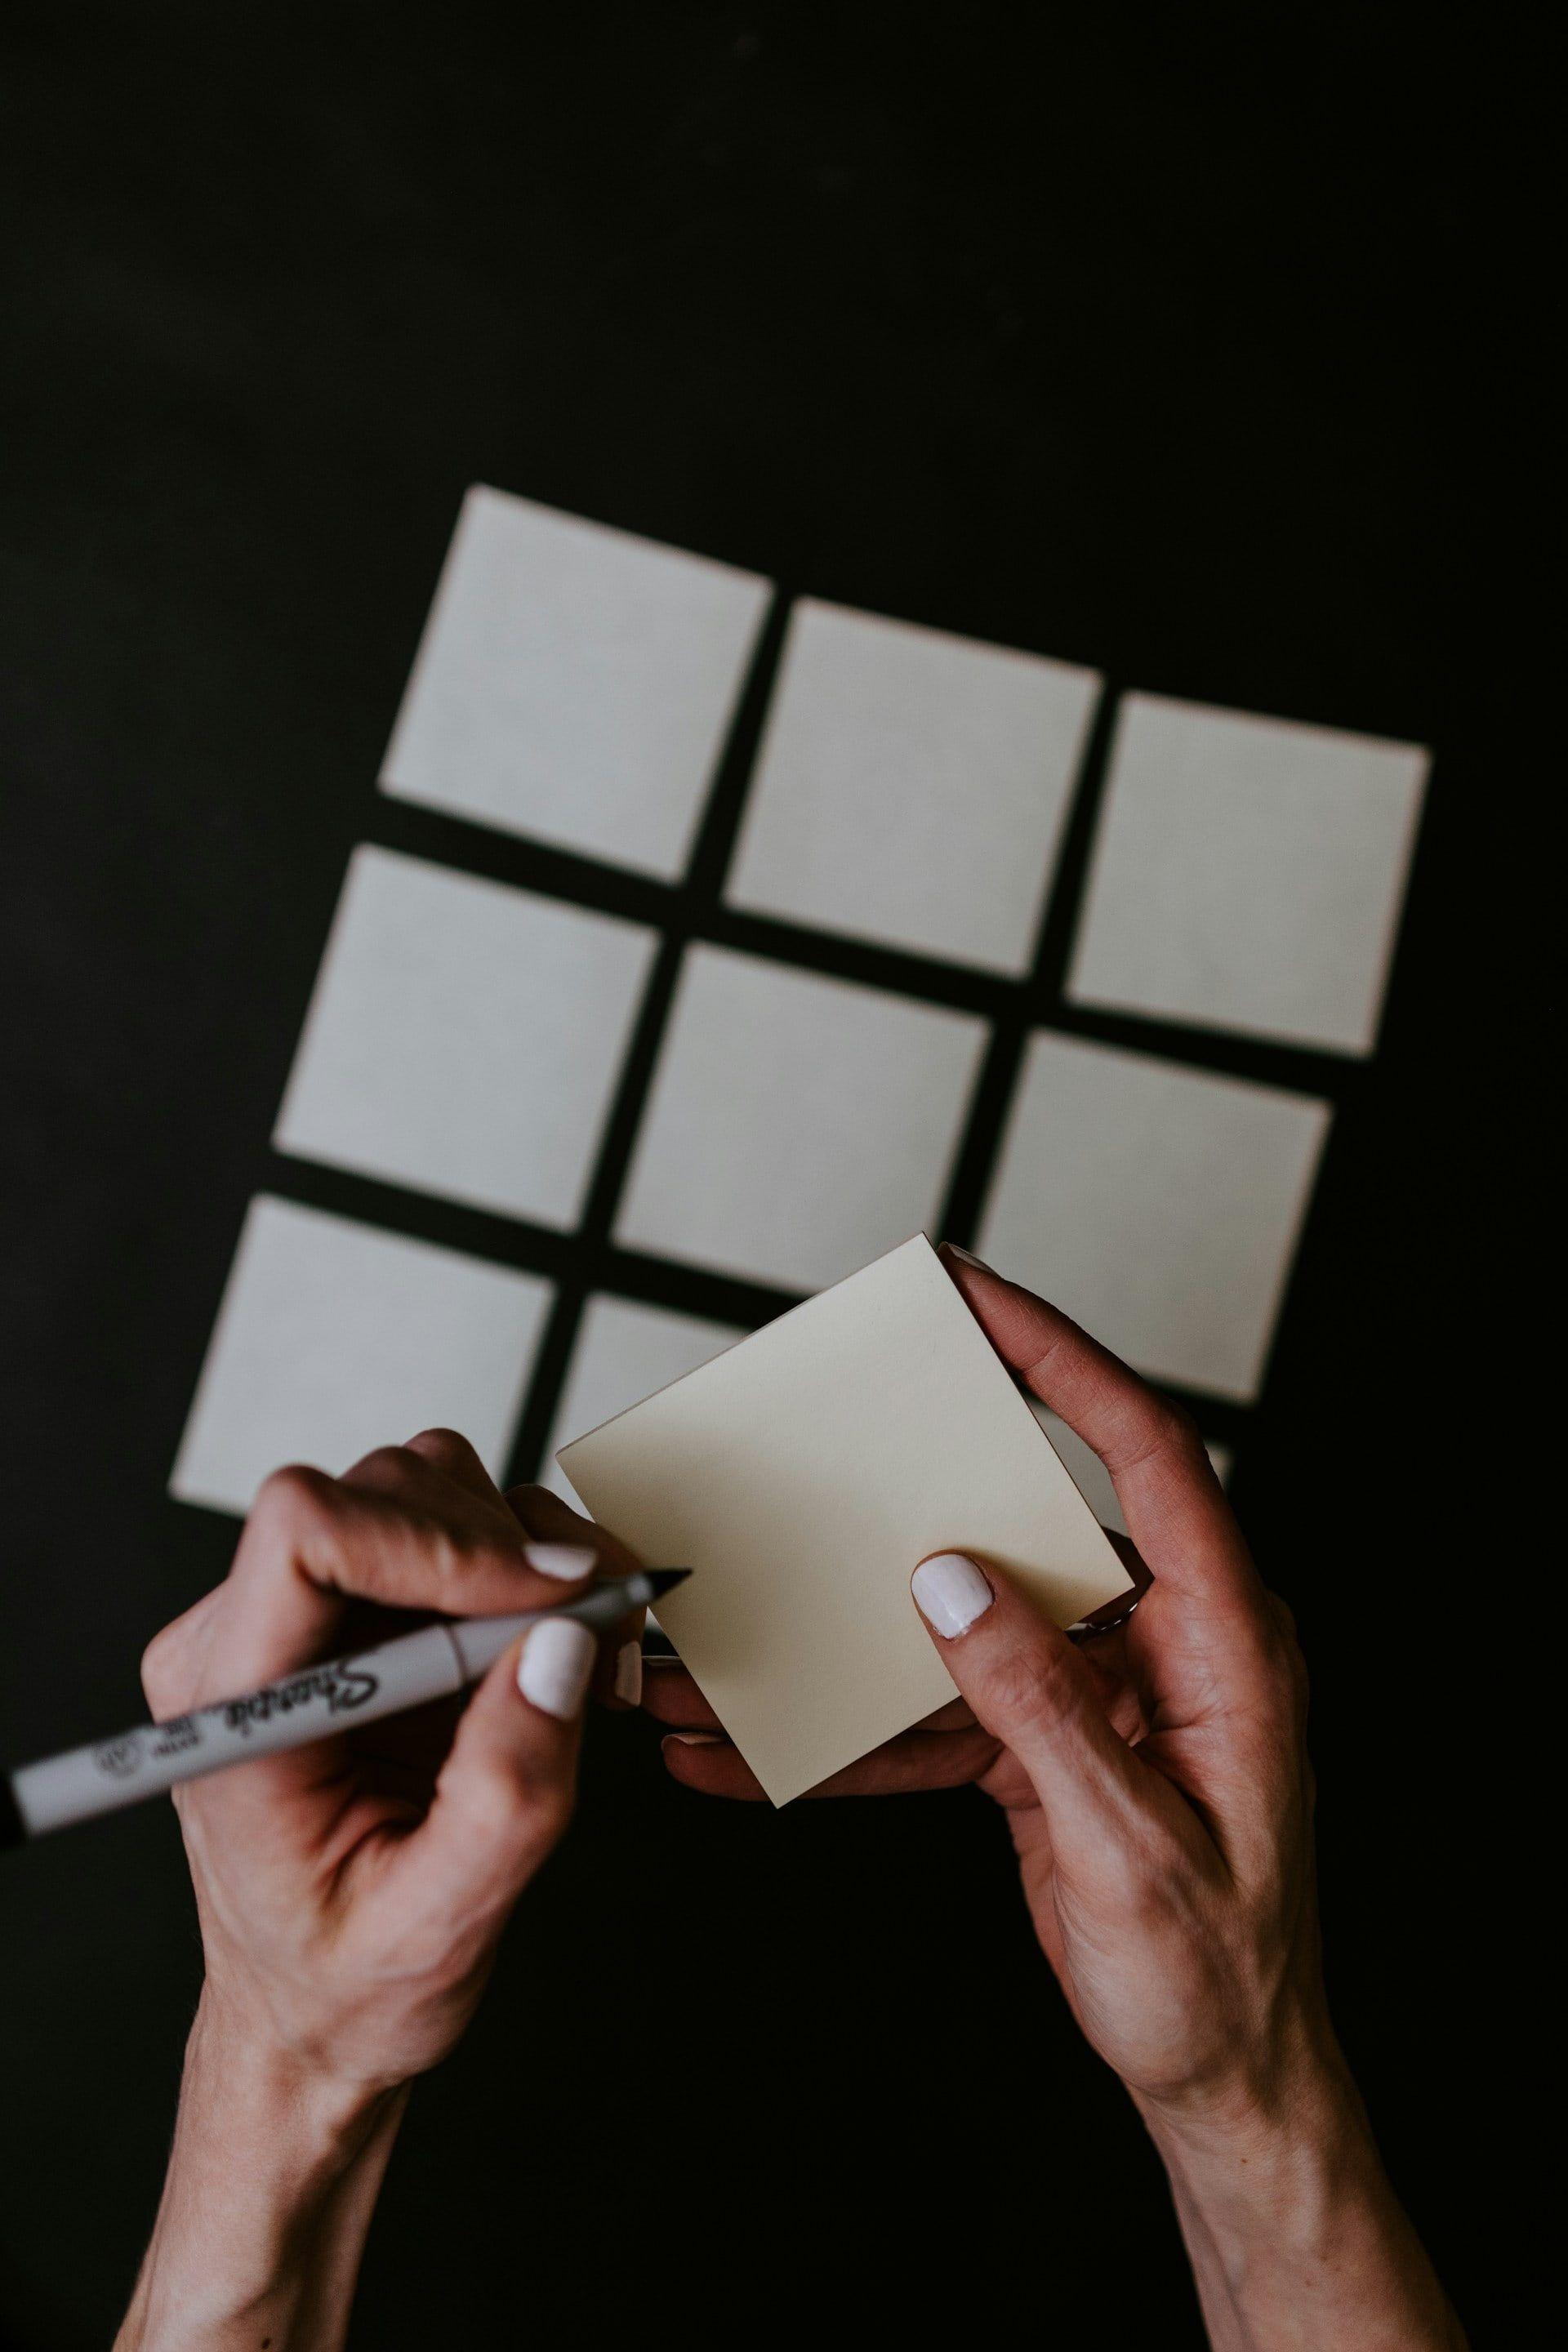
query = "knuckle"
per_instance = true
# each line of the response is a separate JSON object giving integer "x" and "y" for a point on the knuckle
{"x": 1178, "y": 1433}
{"x": 386, "y": 1467}
{"x": 159, "y": 1668}
{"x": 445, "y": 1449}
{"x": 291, "y": 1497}
{"x": 1283, "y": 1614}
{"x": 1026, "y": 1684}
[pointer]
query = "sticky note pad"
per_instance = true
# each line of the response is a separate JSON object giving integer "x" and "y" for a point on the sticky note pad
{"x": 797, "y": 1125}
{"x": 803, "y": 1474}
{"x": 464, "y": 1037}
{"x": 623, "y": 1351}
{"x": 1157, "y": 1205}
{"x": 335, "y": 1338}
{"x": 1248, "y": 874}
{"x": 911, "y": 786}
{"x": 576, "y": 683}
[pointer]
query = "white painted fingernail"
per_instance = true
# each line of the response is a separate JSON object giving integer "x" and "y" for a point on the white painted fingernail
{"x": 556, "y": 1664}
{"x": 951, "y": 1593}
{"x": 966, "y": 1257}
{"x": 629, "y": 1673}
{"x": 697, "y": 1738}
{"x": 567, "y": 1561}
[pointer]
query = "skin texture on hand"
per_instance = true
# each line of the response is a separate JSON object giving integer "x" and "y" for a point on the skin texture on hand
{"x": 352, "y": 1893}
{"x": 1156, "y": 1782}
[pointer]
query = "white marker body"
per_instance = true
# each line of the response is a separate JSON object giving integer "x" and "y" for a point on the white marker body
{"x": 317, "y": 1702}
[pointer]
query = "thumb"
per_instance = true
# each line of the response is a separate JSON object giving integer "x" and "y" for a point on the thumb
{"x": 1034, "y": 1690}
{"x": 506, "y": 1792}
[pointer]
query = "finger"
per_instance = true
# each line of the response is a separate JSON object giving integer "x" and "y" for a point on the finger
{"x": 1034, "y": 1691}
{"x": 171, "y": 1664}
{"x": 552, "y": 1524}
{"x": 439, "y": 1476}
{"x": 670, "y": 1695}
{"x": 704, "y": 1760}
{"x": 447, "y": 1451}
{"x": 914, "y": 1762}
{"x": 1175, "y": 1505}
{"x": 313, "y": 1544}
{"x": 506, "y": 1792}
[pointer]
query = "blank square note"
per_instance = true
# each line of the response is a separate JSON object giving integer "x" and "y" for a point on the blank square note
{"x": 464, "y": 1038}
{"x": 334, "y": 1337}
{"x": 911, "y": 787}
{"x": 796, "y": 1125}
{"x": 1159, "y": 1206}
{"x": 624, "y": 1352}
{"x": 1248, "y": 874}
{"x": 803, "y": 1476}
{"x": 575, "y": 682}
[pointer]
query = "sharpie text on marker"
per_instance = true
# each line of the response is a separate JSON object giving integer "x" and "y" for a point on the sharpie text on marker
{"x": 311, "y": 1704}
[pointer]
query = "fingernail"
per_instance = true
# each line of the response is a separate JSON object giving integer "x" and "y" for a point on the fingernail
{"x": 951, "y": 1593}
{"x": 567, "y": 1561}
{"x": 628, "y": 1674}
{"x": 966, "y": 1257}
{"x": 553, "y": 1671}
{"x": 695, "y": 1739}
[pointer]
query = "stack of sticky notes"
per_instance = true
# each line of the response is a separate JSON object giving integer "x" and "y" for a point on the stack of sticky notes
{"x": 803, "y": 1474}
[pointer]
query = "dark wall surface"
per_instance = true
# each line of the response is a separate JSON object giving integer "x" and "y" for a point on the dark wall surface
{"x": 1132, "y": 345}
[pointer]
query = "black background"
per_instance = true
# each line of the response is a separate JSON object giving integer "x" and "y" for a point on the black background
{"x": 1117, "y": 339}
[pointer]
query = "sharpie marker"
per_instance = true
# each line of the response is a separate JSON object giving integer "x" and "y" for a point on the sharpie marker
{"x": 313, "y": 1704}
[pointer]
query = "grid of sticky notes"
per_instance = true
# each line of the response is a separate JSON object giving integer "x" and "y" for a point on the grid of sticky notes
{"x": 576, "y": 687}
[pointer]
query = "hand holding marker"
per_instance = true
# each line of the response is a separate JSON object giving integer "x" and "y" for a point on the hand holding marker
{"x": 311, "y": 1704}
{"x": 304, "y": 1704}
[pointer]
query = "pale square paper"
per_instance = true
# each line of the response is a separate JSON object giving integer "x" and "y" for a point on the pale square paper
{"x": 334, "y": 1337}
{"x": 1088, "y": 1473}
{"x": 796, "y": 1125}
{"x": 575, "y": 682}
{"x": 1248, "y": 874}
{"x": 464, "y": 1038}
{"x": 623, "y": 1351}
{"x": 803, "y": 1476}
{"x": 1158, "y": 1205}
{"x": 911, "y": 787}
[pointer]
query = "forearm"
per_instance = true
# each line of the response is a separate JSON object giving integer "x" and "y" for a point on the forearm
{"x": 272, "y": 2180}
{"x": 1296, "y": 2240}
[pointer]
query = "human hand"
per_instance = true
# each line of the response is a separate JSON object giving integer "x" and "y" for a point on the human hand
{"x": 352, "y": 1893}
{"x": 1155, "y": 1781}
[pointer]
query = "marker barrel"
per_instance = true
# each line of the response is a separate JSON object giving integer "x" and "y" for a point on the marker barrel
{"x": 316, "y": 1703}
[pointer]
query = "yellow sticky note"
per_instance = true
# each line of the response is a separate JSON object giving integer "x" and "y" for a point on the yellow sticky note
{"x": 803, "y": 1474}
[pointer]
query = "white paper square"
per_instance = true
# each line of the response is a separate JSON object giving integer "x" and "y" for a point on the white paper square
{"x": 1088, "y": 1473}
{"x": 575, "y": 682}
{"x": 796, "y": 1125}
{"x": 624, "y": 1352}
{"x": 465, "y": 1038}
{"x": 802, "y": 1476}
{"x": 911, "y": 787}
{"x": 1248, "y": 874}
{"x": 333, "y": 1338}
{"x": 1157, "y": 1205}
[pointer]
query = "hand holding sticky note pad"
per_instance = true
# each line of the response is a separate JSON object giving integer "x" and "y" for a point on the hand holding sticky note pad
{"x": 803, "y": 1474}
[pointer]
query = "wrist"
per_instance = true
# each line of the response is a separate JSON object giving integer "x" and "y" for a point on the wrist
{"x": 1241, "y": 2138}
{"x": 1296, "y": 2235}
{"x": 273, "y": 2176}
{"x": 279, "y": 2100}
{"x": 1255, "y": 2165}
